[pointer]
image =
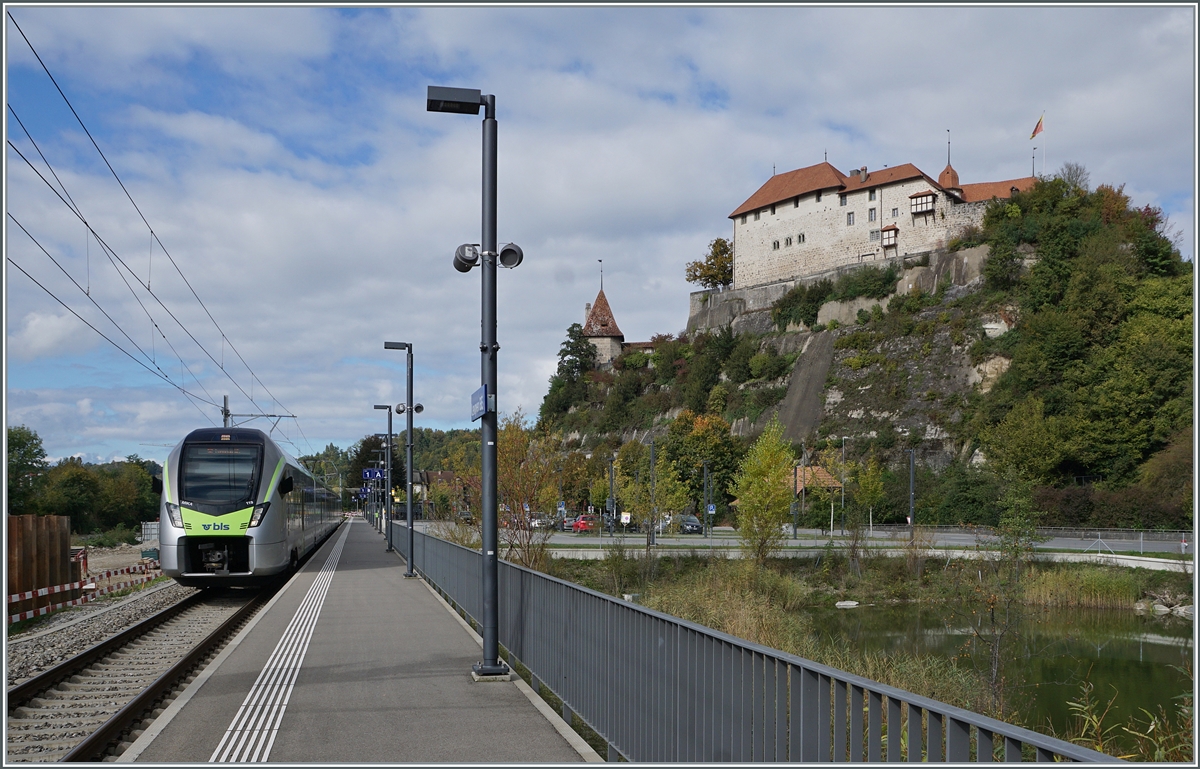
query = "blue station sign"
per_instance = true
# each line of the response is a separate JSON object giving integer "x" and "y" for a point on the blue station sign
{"x": 479, "y": 403}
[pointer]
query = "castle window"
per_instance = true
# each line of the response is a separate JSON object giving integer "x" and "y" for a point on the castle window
{"x": 775, "y": 245}
{"x": 874, "y": 234}
{"x": 818, "y": 196}
{"x": 744, "y": 217}
{"x": 772, "y": 209}
{"x": 800, "y": 238}
{"x": 871, "y": 195}
{"x": 796, "y": 202}
{"x": 788, "y": 240}
{"x": 922, "y": 203}
{"x": 871, "y": 215}
{"x": 841, "y": 200}
{"x": 889, "y": 237}
{"x": 850, "y": 219}
{"x": 895, "y": 212}
{"x": 756, "y": 216}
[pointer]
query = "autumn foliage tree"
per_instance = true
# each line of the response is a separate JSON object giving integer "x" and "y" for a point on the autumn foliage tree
{"x": 764, "y": 492}
{"x": 715, "y": 270}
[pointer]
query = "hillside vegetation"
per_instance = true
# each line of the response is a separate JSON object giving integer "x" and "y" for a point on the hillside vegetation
{"x": 1093, "y": 409}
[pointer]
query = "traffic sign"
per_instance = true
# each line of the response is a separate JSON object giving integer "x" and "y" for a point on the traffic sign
{"x": 562, "y": 506}
{"x": 712, "y": 509}
{"x": 526, "y": 507}
{"x": 372, "y": 474}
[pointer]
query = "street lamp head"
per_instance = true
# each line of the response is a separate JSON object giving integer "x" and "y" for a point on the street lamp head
{"x": 511, "y": 255}
{"x": 466, "y": 256}
{"x": 461, "y": 101}
{"x": 396, "y": 345}
{"x": 417, "y": 408}
{"x": 384, "y": 406}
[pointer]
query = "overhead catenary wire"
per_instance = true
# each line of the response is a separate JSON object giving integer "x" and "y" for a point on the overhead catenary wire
{"x": 190, "y": 395}
{"x": 111, "y": 255}
{"x": 154, "y": 238}
{"x": 139, "y": 210}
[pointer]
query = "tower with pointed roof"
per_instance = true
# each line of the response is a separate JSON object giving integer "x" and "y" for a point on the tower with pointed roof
{"x": 600, "y": 328}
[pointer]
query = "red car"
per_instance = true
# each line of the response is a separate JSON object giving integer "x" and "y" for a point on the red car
{"x": 584, "y": 523}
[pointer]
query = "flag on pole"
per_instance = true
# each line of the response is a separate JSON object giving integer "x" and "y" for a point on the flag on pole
{"x": 1037, "y": 129}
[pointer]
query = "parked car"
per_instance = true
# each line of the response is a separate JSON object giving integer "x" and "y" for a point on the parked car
{"x": 585, "y": 522}
{"x": 541, "y": 521}
{"x": 690, "y": 524}
{"x": 565, "y": 523}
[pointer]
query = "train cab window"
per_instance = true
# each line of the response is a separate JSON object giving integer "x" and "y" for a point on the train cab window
{"x": 220, "y": 474}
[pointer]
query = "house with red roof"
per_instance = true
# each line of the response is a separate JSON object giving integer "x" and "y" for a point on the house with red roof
{"x": 816, "y": 219}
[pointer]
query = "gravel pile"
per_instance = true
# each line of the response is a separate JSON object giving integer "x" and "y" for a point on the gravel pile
{"x": 69, "y": 632}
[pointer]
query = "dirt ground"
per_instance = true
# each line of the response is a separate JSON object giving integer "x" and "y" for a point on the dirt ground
{"x": 100, "y": 559}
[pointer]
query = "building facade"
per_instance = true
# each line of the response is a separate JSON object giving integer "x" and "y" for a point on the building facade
{"x": 817, "y": 219}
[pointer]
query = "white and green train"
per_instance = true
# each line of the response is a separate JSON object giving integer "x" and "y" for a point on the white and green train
{"x": 237, "y": 510}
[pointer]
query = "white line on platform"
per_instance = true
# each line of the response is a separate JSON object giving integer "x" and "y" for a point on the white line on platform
{"x": 252, "y": 732}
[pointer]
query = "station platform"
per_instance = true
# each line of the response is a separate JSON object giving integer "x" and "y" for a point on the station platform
{"x": 353, "y": 663}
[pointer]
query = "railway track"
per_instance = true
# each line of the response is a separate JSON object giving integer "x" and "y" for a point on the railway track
{"x": 85, "y": 708}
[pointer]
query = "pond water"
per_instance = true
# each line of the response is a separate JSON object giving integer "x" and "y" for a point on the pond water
{"x": 1051, "y": 652}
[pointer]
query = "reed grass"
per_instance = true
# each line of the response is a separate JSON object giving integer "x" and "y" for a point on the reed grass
{"x": 1093, "y": 587}
{"x": 762, "y": 606}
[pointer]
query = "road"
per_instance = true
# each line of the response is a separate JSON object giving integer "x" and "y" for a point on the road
{"x": 942, "y": 539}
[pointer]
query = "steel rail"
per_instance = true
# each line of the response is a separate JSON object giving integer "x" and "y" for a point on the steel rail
{"x": 27, "y": 690}
{"x": 93, "y": 747}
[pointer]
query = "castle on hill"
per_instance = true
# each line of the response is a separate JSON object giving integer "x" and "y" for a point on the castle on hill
{"x": 815, "y": 220}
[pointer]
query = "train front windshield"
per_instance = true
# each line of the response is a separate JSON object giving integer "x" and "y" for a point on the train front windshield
{"x": 220, "y": 475}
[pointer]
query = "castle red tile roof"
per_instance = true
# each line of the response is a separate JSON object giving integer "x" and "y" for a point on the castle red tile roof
{"x": 973, "y": 193}
{"x": 900, "y": 173}
{"x": 823, "y": 176}
{"x": 600, "y": 321}
{"x": 788, "y": 185}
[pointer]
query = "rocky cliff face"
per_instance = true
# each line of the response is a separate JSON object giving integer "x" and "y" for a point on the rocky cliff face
{"x": 900, "y": 379}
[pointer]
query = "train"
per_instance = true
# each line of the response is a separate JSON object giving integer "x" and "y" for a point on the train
{"x": 237, "y": 510}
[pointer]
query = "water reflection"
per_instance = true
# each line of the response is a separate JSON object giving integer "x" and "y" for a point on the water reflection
{"x": 1050, "y": 652}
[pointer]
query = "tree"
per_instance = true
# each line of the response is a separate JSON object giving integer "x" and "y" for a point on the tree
{"x": 26, "y": 467}
{"x": 695, "y": 439}
{"x": 74, "y": 491}
{"x": 524, "y": 469}
{"x": 648, "y": 496}
{"x": 716, "y": 269}
{"x": 1076, "y": 176}
{"x": 763, "y": 487}
{"x": 568, "y": 386}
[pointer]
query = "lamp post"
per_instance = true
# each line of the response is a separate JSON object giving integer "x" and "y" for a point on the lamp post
{"x": 407, "y": 408}
{"x": 378, "y": 512}
{"x": 387, "y": 483}
{"x": 844, "y": 484}
{"x": 467, "y": 101}
{"x": 912, "y": 476}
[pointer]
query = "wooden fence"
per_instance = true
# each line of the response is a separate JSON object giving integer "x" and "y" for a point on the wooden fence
{"x": 39, "y": 556}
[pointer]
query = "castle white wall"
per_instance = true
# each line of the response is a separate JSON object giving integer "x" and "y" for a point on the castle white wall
{"x": 830, "y": 243}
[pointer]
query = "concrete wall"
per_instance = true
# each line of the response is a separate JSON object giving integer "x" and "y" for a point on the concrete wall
{"x": 749, "y": 309}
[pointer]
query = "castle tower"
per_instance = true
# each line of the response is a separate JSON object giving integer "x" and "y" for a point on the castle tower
{"x": 948, "y": 179}
{"x": 601, "y": 330}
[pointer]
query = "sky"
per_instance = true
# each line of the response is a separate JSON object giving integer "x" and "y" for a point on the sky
{"x": 291, "y": 204}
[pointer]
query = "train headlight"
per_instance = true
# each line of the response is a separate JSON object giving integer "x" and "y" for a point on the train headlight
{"x": 175, "y": 516}
{"x": 259, "y": 511}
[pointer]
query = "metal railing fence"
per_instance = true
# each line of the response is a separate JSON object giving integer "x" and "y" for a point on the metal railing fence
{"x": 658, "y": 688}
